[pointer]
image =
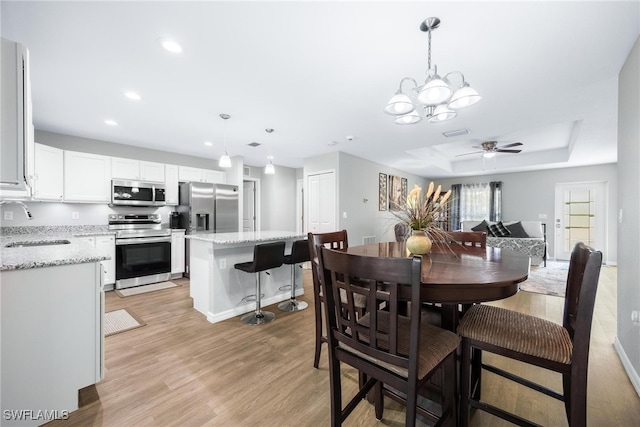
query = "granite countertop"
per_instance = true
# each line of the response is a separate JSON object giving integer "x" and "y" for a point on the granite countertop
{"x": 26, "y": 257}
{"x": 245, "y": 237}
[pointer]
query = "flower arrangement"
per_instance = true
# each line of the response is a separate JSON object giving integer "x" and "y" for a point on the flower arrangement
{"x": 420, "y": 212}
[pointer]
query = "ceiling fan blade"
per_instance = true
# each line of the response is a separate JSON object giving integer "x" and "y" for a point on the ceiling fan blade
{"x": 466, "y": 154}
{"x": 515, "y": 144}
{"x": 507, "y": 151}
{"x": 479, "y": 147}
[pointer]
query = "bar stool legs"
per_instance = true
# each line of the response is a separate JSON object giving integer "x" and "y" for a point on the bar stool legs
{"x": 293, "y": 304}
{"x": 258, "y": 317}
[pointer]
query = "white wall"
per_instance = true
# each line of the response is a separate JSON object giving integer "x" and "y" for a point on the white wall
{"x": 628, "y": 338}
{"x": 278, "y": 199}
{"x": 526, "y": 195}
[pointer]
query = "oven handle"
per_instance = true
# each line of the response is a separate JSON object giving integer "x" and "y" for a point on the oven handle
{"x": 140, "y": 240}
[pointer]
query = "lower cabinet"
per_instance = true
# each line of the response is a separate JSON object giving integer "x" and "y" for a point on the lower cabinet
{"x": 107, "y": 245}
{"x": 52, "y": 339}
{"x": 177, "y": 253}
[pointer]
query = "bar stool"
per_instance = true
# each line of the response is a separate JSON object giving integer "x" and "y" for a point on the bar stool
{"x": 299, "y": 253}
{"x": 265, "y": 257}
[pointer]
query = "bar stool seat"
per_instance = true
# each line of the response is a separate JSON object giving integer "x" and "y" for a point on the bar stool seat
{"x": 265, "y": 257}
{"x": 299, "y": 254}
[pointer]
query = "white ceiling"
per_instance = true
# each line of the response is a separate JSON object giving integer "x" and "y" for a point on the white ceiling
{"x": 318, "y": 72}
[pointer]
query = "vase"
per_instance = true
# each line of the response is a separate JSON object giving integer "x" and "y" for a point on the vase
{"x": 419, "y": 243}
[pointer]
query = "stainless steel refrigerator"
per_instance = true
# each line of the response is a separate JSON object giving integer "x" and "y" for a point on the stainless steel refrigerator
{"x": 207, "y": 208}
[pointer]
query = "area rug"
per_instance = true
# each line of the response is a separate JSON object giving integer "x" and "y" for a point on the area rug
{"x": 121, "y": 320}
{"x": 144, "y": 289}
{"x": 549, "y": 280}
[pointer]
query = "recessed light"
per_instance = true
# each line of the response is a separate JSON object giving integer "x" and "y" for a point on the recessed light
{"x": 111, "y": 122}
{"x": 132, "y": 95}
{"x": 208, "y": 143}
{"x": 171, "y": 45}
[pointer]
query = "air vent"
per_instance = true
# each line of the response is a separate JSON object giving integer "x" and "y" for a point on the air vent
{"x": 247, "y": 171}
{"x": 458, "y": 132}
{"x": 254, "y": 144}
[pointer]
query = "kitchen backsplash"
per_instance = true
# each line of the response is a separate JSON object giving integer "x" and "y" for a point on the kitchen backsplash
{"x": 47, "y": 214}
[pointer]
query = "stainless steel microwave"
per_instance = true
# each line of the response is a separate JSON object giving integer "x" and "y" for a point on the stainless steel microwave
{"x": 137, "y": 193}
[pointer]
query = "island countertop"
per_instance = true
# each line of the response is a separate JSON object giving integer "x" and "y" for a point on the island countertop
{"x": 245, "y": 237}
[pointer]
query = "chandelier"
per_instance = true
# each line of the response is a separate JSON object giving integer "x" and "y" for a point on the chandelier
{"x": 225, "y": 160}
{"x": 438, "y": 97}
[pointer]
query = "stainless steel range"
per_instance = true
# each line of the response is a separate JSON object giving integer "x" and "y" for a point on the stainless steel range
{"x": 143, "y": 249}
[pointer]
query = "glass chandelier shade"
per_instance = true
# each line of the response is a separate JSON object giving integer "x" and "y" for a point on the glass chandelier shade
{"x": 225, "y": 160}
{"x": 269, "y": 169}
{"x": 437, "y": 97}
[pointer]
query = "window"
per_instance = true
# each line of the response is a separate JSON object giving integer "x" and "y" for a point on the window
{"x": 475, "y": 202}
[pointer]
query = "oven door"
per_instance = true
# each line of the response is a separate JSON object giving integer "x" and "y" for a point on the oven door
{"x": 142, "y": 260}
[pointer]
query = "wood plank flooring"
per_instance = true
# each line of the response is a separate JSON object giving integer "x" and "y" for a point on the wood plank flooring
{"x": 180, "y": 370}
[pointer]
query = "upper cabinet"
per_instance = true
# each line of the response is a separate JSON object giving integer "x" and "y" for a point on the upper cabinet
{"x": 171, "y": 184}
{"x": 87, "y": 177}
{"x": 136, "y": 170}
{"x": 49, "y": 177}
{"x": 16, "y": 131}
{"x": 189, "y": 174}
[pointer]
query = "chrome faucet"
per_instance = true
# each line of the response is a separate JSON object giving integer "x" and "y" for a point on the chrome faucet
{"x": 17, "y": 202}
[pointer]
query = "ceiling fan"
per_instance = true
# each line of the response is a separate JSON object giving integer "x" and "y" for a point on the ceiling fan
{"x": 490, "y": 148}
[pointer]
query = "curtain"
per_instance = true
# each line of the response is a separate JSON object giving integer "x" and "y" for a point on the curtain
{"x": 475, "y": 202}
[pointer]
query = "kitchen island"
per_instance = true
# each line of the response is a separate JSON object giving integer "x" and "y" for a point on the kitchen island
{"x": 218, "y": 289}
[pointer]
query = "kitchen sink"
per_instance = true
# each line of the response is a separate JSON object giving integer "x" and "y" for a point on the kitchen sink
{"x": 36, "y": 243}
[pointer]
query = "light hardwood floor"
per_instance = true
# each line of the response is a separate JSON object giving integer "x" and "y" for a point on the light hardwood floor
{"x": 180, "y": 370}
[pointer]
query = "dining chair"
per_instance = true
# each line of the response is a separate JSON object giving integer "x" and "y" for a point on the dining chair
{"x": 559, "y": 348}
{"x": 335, "y": 240}
{"x": 397, "y": 354}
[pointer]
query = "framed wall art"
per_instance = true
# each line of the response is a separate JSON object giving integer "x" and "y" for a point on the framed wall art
{"x": 397, "y": 192}
{"x": 382, "y": 192}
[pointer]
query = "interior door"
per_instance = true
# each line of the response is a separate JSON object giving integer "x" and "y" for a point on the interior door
{"x": 580, "y": 216}
{"x": 249, "y": 206}
{"x": 322, "y": 203}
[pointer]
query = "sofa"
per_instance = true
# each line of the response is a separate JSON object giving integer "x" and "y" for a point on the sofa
{"x": 534, "y": 244}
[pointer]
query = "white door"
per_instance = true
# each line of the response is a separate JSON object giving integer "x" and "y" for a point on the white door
{"x": 321, "y": 215}
{"x": 248, "y": 206}
{"x": 580, "y": 216}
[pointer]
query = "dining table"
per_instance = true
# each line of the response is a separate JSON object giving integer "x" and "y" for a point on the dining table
{"x": 454, "y": 275}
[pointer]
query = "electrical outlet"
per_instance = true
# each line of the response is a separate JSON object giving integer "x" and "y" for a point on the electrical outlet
{"x": 8, "y": 215}
{"x": 75, "y": 215}
{"x": 344, "y": 214}
{"x": 223, "y": 263}
{"x": 635, "y": 317}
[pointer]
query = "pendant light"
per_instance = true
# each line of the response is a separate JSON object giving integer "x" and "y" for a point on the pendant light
{"x": 225, "y": 160}
{"x": 269, "y": 169}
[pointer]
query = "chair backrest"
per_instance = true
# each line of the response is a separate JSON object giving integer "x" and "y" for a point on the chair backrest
{"x": 379, "y": 280}
{"x": 402, "y": 231}
{"x": 582, "y": 285}
{"x": 299, "y": 252}
{"x": 468, "y": 238}
{"x": 268, "y": 255}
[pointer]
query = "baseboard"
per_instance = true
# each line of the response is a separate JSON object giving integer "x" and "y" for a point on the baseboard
{"x": 628, "y": 367}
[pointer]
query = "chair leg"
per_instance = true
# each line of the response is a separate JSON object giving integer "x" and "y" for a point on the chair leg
{"x": 476, "y": 373}
{"x": 575, "y": 397}
{"x": 319, "y": 340}
{"x": 378, "y": 400}
{"x": 293, "y": 304}
{"x": 465, "y": 382}
{"x": 258, "y": 317}
{"x": 335, "y": 388}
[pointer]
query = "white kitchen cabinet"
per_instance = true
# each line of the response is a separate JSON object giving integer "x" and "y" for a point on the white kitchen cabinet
{"x": 107, "y": 245}
{"x": 171, "y": 193}
{"x": 52, "y": 332}
{"x": 87, "y": 177}
{"x": 16, "y": 131}
{"x": 48, "y": 180}
{"x": 136, "y": 170}
{"x": 177, "y": 252}
{"x": 213, "y": 176}
{"x": 189, "y": 174}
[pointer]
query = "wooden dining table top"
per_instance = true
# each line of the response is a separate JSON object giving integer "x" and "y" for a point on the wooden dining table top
{"x": 458, "y": 274}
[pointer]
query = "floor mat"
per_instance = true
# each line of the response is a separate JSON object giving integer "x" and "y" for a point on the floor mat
{"x": 120, "y": 320}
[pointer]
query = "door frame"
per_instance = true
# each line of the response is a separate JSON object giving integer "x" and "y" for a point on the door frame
{"x": 256, "y": 202}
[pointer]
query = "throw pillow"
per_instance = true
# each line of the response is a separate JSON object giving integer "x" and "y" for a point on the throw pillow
{"x": 517, "y": 230}
{"x": 498, "y": 230}
{"x": 483, "y": 226}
